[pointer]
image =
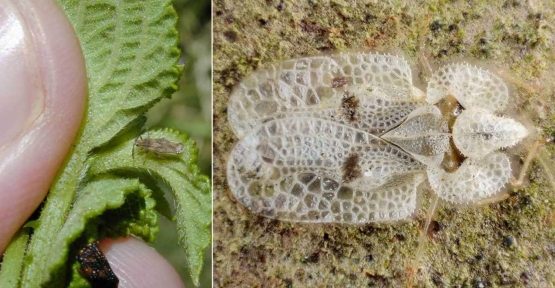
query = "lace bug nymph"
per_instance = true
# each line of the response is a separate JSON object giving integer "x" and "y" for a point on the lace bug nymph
{"x": 95, "y": 267}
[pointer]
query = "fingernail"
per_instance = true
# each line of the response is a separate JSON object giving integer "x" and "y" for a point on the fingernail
{"x": 21, "y": 89}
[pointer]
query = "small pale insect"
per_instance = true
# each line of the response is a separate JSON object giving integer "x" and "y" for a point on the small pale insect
{"x": 347, "y": 138}
{"x": 95, "y": 268}
{"x": 158, "y": 146}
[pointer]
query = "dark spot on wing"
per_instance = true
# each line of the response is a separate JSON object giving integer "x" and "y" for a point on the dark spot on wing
{"x": 95, "y": 268}
{"x": 338, "y": 81}
{"x": 351, "y": 168}
{"x": 349, "y": 106}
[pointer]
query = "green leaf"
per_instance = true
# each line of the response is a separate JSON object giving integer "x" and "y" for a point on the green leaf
{"x": 181, "y": 174}
{"x": 12, "y": 263}
{"x": 106, "y": 188}
{"x": 95, "y": 207}
{"x": 131, "y": 54}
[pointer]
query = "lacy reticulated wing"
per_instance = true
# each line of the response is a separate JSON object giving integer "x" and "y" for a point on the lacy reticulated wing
{"x": 347, "y": 138}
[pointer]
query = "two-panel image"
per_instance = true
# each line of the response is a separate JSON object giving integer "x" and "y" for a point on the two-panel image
{"x": 277, "y": 143}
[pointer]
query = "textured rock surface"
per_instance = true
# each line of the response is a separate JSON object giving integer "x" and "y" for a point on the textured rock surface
{"x": 466, "y": 245}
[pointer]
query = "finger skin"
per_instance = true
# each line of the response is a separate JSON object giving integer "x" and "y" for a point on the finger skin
{"x": 44, "y": 99}
{"x": 138, "y": 265}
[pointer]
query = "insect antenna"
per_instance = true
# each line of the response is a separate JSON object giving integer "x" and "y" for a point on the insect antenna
{"x": 532, "y": 153}
{"x": 548, "y": 167}
{"x": 423, "y": 63}
{"x": 539, "y": 153}
{"x": 135, "y": 142}
{"x": 517, "y": 82}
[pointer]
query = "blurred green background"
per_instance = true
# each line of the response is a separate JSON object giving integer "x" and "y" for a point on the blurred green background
{"x": 189, "y": 110}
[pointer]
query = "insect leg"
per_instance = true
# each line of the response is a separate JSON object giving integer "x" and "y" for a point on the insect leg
{"x": 412, "y": 269}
